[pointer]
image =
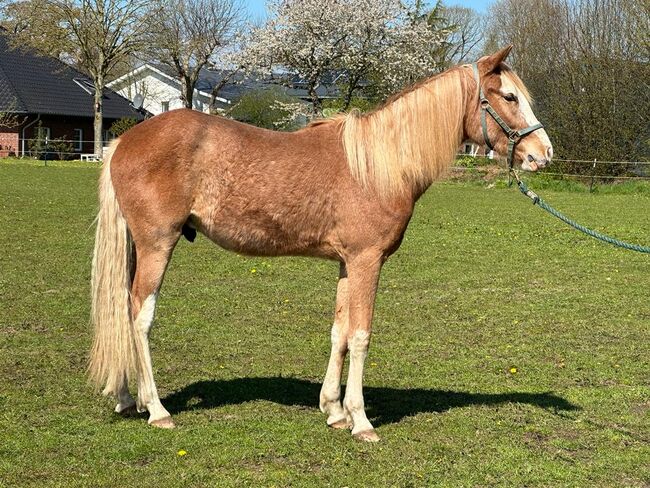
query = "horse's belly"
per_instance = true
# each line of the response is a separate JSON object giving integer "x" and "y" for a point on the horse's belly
{"x": 264, "y": 234}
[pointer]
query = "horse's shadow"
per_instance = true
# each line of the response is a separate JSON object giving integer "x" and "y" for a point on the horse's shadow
{"x": 383, "y": 405}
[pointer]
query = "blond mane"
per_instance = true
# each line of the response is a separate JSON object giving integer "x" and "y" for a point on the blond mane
{"x": 411, "y": 140}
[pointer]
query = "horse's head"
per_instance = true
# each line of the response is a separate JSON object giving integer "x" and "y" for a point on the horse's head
{"x": 500, "y": 116}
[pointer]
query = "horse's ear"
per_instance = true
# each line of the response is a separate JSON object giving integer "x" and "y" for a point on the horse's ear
{"x": 490, "y": 63}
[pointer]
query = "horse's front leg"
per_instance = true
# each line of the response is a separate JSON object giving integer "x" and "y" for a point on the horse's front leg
{"x": 330, "y": 394}
{"x": 363, "y": 276}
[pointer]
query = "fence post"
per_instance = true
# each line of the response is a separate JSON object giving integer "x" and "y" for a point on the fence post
{"x": 593, "y": 174}
{"x": 47, "y": 148}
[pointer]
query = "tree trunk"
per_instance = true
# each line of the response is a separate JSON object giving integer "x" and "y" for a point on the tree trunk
{"x": 347, "y": 100}
{"x": 99, "y": 114}
{"x": 316, "y": 102}
{"x": 188, "y": 92}
{"x": 214, "y": 93}
{"x": 349, "y": 93}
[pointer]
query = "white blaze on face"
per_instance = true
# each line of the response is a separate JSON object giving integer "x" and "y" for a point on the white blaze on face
{"x": 507, "y": 86}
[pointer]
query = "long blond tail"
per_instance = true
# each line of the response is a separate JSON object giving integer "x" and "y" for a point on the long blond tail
{"x": 112, "y": 357}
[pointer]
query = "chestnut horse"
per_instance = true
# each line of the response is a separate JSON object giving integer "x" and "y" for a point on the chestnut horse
{"x": 341, "y": 189}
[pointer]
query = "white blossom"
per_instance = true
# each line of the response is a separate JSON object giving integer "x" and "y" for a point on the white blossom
{"x": 376, "y": 43}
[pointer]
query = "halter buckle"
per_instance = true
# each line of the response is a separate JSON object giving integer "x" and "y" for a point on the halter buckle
{"x": 514, "y": 136}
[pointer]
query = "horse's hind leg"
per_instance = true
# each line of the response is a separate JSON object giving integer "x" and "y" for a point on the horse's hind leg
{"x": 125, "y": 402}
{"x": 330, "y": 394}
{"x": 152, "y": 261}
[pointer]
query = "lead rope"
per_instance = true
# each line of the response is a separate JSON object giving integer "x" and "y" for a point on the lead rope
{"x": 537, "y": 200}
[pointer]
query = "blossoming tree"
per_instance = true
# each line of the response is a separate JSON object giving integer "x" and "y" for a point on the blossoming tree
{"x": 377, "y": 45}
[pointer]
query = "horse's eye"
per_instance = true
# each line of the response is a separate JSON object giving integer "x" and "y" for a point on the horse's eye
{"x": 511, "y": 97}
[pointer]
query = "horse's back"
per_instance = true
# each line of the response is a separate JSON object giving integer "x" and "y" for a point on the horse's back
{"x": 251, "y": 190}
{"x": 191, "y": 141}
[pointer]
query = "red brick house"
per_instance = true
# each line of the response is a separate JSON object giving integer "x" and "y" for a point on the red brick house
{"x": 46, "y": 97}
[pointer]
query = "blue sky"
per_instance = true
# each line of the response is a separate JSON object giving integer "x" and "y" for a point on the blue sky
{"x": 257, "y": 10}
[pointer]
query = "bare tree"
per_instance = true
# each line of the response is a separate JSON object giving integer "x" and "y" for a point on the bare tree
{"x": 189, "y": 35}
{"x": 228, "y": 74}
{"x": 9, "y": 119}
{"x": 588, "y": 70}
{"x": 94, "y": 34}
{"x": 639, "y": 22}
{"x": 463, "y": 31}
{"x": 467, "y": 28}
{"x": 29, "y": 26}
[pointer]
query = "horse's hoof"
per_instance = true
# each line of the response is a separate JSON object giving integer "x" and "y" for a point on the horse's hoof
{"x": 341, "y": 424}
{"x": 366, "y": 436}
{"x": 130, "y": 411}
{"x": 163, "y": 423}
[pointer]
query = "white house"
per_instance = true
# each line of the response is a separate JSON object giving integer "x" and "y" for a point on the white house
{"x": 161, "y": 91}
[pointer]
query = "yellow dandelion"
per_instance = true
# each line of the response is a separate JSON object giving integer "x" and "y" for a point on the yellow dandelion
{"x": 253, "y": 270}
{"x": 513, "y": 370}
{"x": 373, "y": 364}
{"x": 182, "y": 452}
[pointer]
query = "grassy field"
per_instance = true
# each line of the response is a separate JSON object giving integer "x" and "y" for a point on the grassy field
{"x": 508, "y": 350}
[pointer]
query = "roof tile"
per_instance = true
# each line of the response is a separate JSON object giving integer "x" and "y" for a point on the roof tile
{"x": 30, "y": 83}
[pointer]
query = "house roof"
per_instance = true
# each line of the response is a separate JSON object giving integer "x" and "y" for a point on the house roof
{"x": 30, "y": 83}
{"x": 207, "y": 80}
{"x": 293, "y": 85}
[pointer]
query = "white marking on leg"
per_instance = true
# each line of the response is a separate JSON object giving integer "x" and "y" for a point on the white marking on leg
{"x": 124, "y": 399}
{"x": 330, "y": 395}
{"x": 354, "y": 404}
{"x": 147, "y": 393}
{"x": 142, "y": 326}
{"x": 144, "y": 321}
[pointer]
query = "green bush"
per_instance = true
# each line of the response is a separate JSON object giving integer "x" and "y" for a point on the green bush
{"x": 261, "y": 108}
{"x": 120, "y": 126}
{"x": 334, "y": 106}
{"x": 36, "y": 146}
{"x": 39, "y": 147}
{"x": 54, "y": 148}
{"x": 62, "y": 148}
{"x": 467, "y": 161}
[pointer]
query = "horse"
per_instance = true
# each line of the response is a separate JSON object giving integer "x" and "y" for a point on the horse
{"x": 342, "y": 189}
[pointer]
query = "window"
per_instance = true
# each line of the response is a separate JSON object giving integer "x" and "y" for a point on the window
{"x": 78, "y": 139}
{"x": 107, "y": 136}
{"x": 468, "y": 149}
{"x": 164, "y": 106}
{"x": 42, "y": 133}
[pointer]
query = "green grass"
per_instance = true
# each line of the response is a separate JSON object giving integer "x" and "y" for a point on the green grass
{"x": 75, "y": 163}
{"x": 483, "y": 282}
{"x": 476, "y": 172}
